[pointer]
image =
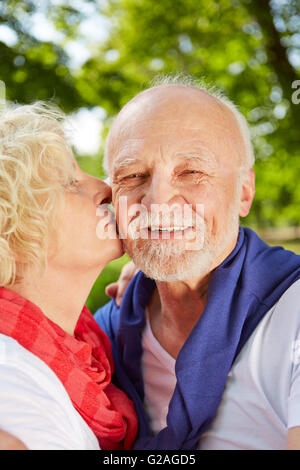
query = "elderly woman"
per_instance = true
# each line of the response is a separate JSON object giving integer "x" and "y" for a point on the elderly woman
{"x": 55, "y": 362}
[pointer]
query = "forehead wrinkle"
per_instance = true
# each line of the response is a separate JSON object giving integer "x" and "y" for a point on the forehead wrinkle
{"x": 126, "y": 146}
{"x": 121, "y": 152}
{"x": 196, "y": 148}
{"x": 201, "y": 150}
{"x": 208, "y": 157}
{"x": 122, "y": 162}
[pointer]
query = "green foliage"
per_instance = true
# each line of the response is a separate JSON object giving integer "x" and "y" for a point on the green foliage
{"x": 33, "y": 69}
{"x": 293, "y": 245}
{"x": 91, "y": 165}
{"x": 110, "y": 273}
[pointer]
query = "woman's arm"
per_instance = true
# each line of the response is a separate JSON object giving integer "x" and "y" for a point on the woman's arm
{"x": 10, "y": 442}
{"x": 293, "y": 441}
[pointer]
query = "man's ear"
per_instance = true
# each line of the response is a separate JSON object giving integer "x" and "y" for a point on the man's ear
{"x": 247, "y": 192}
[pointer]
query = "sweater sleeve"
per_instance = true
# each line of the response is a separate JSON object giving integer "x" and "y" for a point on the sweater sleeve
{"x": 107, "y": 318}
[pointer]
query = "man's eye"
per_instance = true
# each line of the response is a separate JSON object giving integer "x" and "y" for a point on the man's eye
{"x": 191, "y": 172}
{"x": 134, "y": 176}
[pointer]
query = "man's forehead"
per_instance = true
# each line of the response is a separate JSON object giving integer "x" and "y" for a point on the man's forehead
{"x": 144, "y": 126}
{"x": 135, "y": 150}
{"x": 169, "y": 132}
{"x": 172, "y": 140}
{"x": 144, "y": 123}
{"x": 181, "y": 143}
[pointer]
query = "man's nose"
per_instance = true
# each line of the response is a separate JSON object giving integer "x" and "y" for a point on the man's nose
{"x": 160, "y": 191}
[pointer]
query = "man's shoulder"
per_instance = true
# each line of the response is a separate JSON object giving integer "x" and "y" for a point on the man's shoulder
{"x": 289, "y": 302}
{"x": 283, "y": 321}
{"x": 293, "y": 292}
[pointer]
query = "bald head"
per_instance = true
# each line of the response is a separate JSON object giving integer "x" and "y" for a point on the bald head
{"x": 190, "y": 106}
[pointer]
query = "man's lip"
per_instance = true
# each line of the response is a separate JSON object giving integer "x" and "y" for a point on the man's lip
{"x": 169, "y": 233}
{"x": 168, "y": 228}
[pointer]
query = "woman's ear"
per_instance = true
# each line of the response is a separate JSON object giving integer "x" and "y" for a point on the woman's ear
{"x": 247, "y": 192}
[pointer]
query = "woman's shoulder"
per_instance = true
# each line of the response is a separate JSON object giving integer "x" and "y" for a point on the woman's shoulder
{"x": 15, "y": 357}
{"x": 23, "y": 375}
{"x": 34, "y": 405}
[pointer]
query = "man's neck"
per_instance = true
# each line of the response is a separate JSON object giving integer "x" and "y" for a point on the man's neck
{"x": 174, "y": 310}
{"x": 176, "y": 307}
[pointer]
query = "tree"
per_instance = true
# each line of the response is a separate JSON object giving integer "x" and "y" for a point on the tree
{"x": 33, "y": 69}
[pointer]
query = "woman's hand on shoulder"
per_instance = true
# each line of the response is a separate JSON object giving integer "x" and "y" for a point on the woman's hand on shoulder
{"x": 117, "y": 289}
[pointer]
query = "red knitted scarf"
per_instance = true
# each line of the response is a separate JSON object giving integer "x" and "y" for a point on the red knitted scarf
{"x": 82, "y": 362}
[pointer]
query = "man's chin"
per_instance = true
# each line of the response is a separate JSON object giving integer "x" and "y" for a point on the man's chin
{"x": 169, "y": 265}
{"x": 172, "y": 274}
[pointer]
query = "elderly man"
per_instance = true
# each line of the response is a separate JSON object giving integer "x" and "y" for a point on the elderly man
{"x": 205, "y": 341}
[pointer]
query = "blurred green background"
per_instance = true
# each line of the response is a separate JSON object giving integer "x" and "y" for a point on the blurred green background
{"x": 91, "y": 57}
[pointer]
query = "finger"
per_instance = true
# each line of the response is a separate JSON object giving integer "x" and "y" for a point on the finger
{"x": 122, "y": 286}
{"x": 112, "y": 290}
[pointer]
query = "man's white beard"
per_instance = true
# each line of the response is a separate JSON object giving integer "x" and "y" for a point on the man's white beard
{"x": 168, "y": 260}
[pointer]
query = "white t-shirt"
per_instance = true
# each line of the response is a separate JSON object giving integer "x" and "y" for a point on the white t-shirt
{"x": 34, "y": 405}
{"x": 261, "y": 400}
{"x": 159, "y": 379}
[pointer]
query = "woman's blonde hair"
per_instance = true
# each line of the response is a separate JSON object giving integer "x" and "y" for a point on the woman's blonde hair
{"x": 35, "y": 169}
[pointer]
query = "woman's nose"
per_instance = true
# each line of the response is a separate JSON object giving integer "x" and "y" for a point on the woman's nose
{"x": 103, "y": 195}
